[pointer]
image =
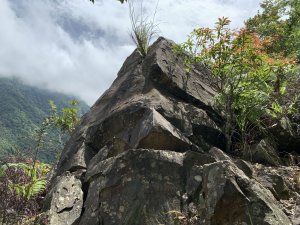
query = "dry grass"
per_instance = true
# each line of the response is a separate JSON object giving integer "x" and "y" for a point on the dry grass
{"x": 143, "y": 27}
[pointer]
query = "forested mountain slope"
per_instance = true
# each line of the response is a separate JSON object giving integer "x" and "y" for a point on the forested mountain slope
{"x": 22, "y": 109}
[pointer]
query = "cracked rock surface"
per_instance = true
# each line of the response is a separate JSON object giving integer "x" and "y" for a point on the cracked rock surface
{"x": 151, "y": 147}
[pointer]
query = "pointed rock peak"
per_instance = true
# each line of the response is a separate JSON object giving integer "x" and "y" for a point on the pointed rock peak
{"x": 181, "y": 103}
{"x": 141, "y": 153}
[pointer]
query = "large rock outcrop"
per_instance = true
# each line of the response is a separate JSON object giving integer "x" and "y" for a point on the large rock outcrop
{"x": 149, "y": 150}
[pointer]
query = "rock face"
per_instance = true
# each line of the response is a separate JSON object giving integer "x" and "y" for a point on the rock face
{"x": 287, "y": 134}
{"x": 66, "y": 199}
{"x": 263, "y": 152}
{"x": 149, "y": 152}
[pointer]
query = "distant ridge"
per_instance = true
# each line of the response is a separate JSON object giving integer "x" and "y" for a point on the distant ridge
{"x": 22, "y": 109}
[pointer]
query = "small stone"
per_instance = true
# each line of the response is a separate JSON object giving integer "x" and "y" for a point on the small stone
{"x": 121, "y": 208}
{"x": 185, "y": 196}
{"x": 198, "y": 178}
{"x": 122, "y": 165}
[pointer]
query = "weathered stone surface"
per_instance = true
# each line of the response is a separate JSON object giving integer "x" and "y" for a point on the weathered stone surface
{"x": 131, "y": 189}
{"x": 287, "y": 134}
{"x": 151, "y": 145}
{"x": 140, "y": 186}
{"x": 235, "y": 199}
{"x": 65, "y": 201}
{"x": 276, "y": 185}
{"x": 246, "y": 167}
{"x": 218, "y": 154}
{"x": 152, "y": 97}
{"x": 283, "y": 183}
{"x": 296, "y": 216}
{"x": 264, "y": 152}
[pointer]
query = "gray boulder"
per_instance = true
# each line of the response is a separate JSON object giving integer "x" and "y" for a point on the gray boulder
{"x": 263, "y": 152}
{"x": 286, "y": 133}
{"x": 150, "y": 152}
{"x": 65, "y": 200}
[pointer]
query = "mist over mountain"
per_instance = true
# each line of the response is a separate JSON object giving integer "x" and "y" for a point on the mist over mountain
{"x": 76, "y": 47}
{"x": 22, "y": 109}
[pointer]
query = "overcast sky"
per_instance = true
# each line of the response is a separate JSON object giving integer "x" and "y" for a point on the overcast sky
{"x": 76, "y": 47}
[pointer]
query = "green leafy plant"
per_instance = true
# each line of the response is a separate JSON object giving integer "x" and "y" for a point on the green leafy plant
{"x": 21, "y": 188}
{"x": 23, "y": 180}
{"x": 68, "y": 117}
{"x": 37, "y": 174}
{"x": 278, "y": 20}
{"x": 65, "y": 120}
{"x": 247, "y": 79}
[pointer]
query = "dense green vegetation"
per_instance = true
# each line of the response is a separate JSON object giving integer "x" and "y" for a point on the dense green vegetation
{"x": 23, "y": 178}
{"x": 279, "y": 22}
{"x": 254, "y": 70}
{"x": 22, "y": 109}
{"x": 22, "y": 183}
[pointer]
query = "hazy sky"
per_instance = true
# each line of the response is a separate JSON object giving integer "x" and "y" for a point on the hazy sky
{"x": 76, "y": 47}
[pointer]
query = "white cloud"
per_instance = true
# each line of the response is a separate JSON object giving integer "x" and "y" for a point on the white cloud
{"x": 180, "y": 17}
{"x": 77, "y": 48}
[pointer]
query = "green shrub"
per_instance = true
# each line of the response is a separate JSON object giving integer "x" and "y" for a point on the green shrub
{"x": 250, "y": 82}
